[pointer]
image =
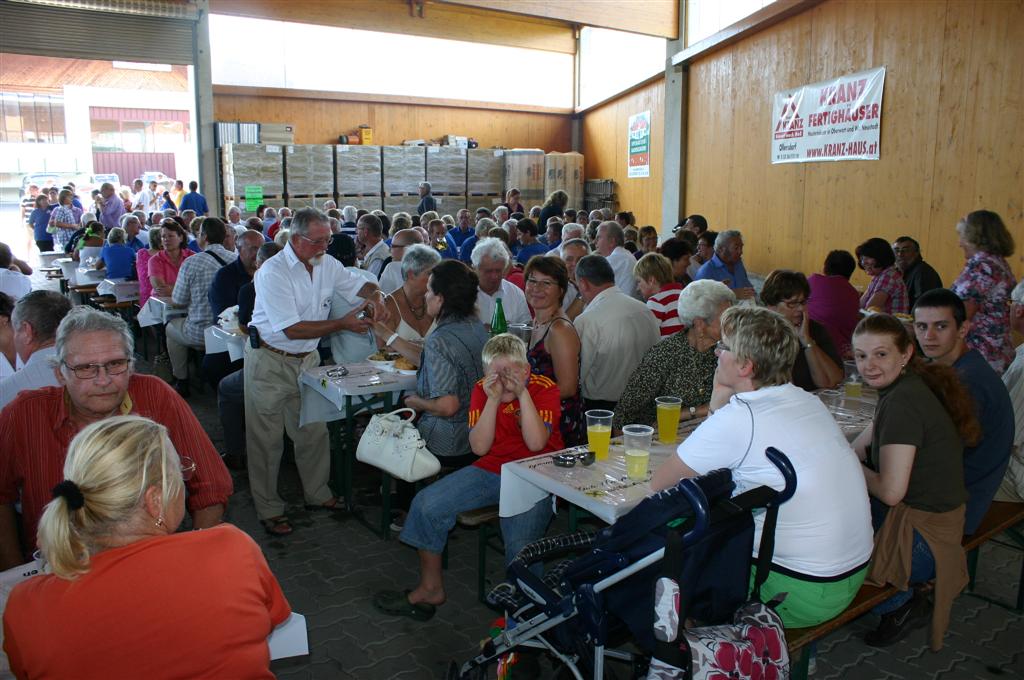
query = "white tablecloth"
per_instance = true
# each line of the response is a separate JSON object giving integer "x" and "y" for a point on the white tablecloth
{"x": 122, "y": 289}
{"x": 602, "y": 489}
{"x": 159, "y": 310}
{"x": 323, "y": 397}
{"x": 218, "y": 340}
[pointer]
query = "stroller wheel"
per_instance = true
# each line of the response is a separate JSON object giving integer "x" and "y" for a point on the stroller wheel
{"x": 454, "y": 672}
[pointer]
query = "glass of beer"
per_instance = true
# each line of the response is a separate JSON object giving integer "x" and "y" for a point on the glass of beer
{"x": 599, "y": 432}
{"x": 668, "y": 418}
{"x": 636, "y": 439}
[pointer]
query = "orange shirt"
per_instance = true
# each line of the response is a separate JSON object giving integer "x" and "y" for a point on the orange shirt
{"x": 192, "y": 605}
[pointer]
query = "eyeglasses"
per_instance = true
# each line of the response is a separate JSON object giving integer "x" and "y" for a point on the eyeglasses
{"x": 722, "y": 347}
{"x": 89, "y": 371}
{"x": 188, "y": 468}
{"x": 540, "y": 282}
{"x": 319, "y": 243}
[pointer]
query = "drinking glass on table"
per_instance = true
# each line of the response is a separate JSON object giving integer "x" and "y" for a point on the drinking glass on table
{"x": 599, "y": 432}
{"x": 636, "y": 439}
{"x": 668, "y": 418}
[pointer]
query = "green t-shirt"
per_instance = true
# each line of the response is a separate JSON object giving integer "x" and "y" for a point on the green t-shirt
{"x": 908, "y": 412}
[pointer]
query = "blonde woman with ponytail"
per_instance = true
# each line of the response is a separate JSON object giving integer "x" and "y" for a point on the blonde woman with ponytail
{"x": 126, "y": 596}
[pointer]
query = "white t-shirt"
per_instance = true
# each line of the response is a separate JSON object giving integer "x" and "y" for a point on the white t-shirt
{"x": 513, "y": 303}
{"x": 14, "y": 284}
{"x": 825, "y": 528}
{"x": 391, "y": 277}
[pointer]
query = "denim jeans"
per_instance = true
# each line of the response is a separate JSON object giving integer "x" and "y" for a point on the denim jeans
{"x": 435, "y": 508}
{"x": 922, "y": 568}
{"x": 231, "y": 405}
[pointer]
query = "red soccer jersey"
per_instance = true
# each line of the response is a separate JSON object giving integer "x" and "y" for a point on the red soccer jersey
{"x": 508, "y": 443}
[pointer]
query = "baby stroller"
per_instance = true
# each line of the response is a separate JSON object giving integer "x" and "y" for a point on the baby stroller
{"x": 583, "y": 605}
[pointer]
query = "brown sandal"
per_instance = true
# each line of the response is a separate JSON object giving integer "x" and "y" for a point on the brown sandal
{"x": 277, "y": 526}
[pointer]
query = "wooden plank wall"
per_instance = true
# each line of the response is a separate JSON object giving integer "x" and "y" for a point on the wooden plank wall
{"x": 952, "y": 131}
{"x": 320, "y": 121}
{"x": 605, "y": 150}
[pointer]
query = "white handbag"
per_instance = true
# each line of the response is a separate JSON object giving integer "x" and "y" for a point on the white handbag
{"x": 393, "y": 444}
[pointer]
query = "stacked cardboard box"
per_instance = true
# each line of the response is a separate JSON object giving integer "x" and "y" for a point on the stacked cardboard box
{"x": 403, "y": 168}
{"x": 524, "y": 169}
{"x": 358, "y": 169}
{"x": 310, "y": 169}
{"x": 564, "y": 171}
{"x": 486, "y": 172}
{"x": 446, "y": 170}
{"x": 401, "y": 202}
{"x": 252, "y": 165}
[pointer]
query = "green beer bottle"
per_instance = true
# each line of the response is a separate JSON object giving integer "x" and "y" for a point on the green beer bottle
{"x": 498, "y": 323}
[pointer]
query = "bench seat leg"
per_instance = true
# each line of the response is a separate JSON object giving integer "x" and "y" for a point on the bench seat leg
{"x": 799, "y": 663}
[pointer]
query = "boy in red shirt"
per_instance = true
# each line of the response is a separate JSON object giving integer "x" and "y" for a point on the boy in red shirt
{"x": 513, "y": 414}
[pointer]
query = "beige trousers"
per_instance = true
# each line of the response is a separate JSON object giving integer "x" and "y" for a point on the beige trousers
{"x": 177, "y": 347}
{"x": 272, "y": 401}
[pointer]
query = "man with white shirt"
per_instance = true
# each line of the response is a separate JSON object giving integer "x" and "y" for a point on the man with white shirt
{"x": 610, "y": 244}
{"x": 235, "y": 220}
{"x": 149, "y": 200}
{"x": 12, "y": 281}
{"x": 391, "y": 276}
{"x": 294, "y": 290}
{"x": 35, "y": 320}
{"x": 570, "y": 231}
{"x": 370, "y": 239}
{"x": 491, "y": 260}
{"x": 615, "y": 332}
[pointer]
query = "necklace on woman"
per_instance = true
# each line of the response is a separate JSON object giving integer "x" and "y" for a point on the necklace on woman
{"x": 417, "y": 312}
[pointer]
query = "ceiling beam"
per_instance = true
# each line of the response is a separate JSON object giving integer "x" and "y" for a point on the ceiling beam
{"x": 650, "y": 17}
{"x": 437, "y": 20}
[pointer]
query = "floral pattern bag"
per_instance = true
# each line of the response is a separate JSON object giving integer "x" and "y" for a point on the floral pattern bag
{"x": 751, "y": 647}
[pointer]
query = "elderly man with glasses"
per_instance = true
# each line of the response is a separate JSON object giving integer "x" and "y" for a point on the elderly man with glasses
{"x": 93, "y": 366}
{"x": 294, "y": 290}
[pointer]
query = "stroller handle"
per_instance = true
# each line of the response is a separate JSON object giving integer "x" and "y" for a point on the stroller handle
{"x": 779, "y": 460}
{"x": 699, "y": 503}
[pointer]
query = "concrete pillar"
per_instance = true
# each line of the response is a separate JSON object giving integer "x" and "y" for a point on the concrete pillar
{"x": 673, "y": 183}
{"x": 209, "y": 182}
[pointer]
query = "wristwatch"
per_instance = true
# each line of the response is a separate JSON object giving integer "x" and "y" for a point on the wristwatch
{"x": 693, "y": 412}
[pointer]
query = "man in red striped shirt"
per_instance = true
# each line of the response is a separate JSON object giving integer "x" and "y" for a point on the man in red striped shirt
{"x": 94, "y": 368}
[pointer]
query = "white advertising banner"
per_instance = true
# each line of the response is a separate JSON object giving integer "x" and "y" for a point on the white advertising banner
{"x": 834, "y": 120}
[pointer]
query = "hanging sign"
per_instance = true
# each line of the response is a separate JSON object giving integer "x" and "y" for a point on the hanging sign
{"x": 834, "y": 120}
{"x": 639, "y": 164}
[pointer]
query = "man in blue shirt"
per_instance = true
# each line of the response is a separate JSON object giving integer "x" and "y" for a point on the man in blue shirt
{"x": 194, "y": 200}
{"x": 39, "y": 218}
{"x": 132, "y": 227}
{"x": 463, "y": 228}
{"x": 727, "y": 264}
{"x": 230, "y": 278}
{"x": 940, "y": 324}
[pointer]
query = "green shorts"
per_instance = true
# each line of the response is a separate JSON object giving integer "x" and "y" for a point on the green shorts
{"x": 809, "y": 603}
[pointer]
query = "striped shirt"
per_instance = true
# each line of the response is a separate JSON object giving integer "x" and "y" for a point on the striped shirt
{"x": 666, "y": 310}
{"x": 36, "y": 429}
{"x": 508, "y": 445}
{"x": 193, "y": 289}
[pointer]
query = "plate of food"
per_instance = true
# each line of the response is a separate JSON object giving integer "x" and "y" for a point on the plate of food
{"x": 383, "y": 359}
{"x": 403, "y": 366}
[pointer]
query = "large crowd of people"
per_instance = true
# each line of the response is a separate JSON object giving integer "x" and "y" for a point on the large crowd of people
{"x": 94, "y": 470}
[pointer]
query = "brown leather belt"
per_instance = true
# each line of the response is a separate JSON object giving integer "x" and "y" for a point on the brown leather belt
{"x": 290, "y": 355}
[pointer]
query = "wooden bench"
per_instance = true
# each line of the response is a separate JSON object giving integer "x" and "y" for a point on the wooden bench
{"x": 485, "y": 521}
{"x": 1001, "y": 517}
